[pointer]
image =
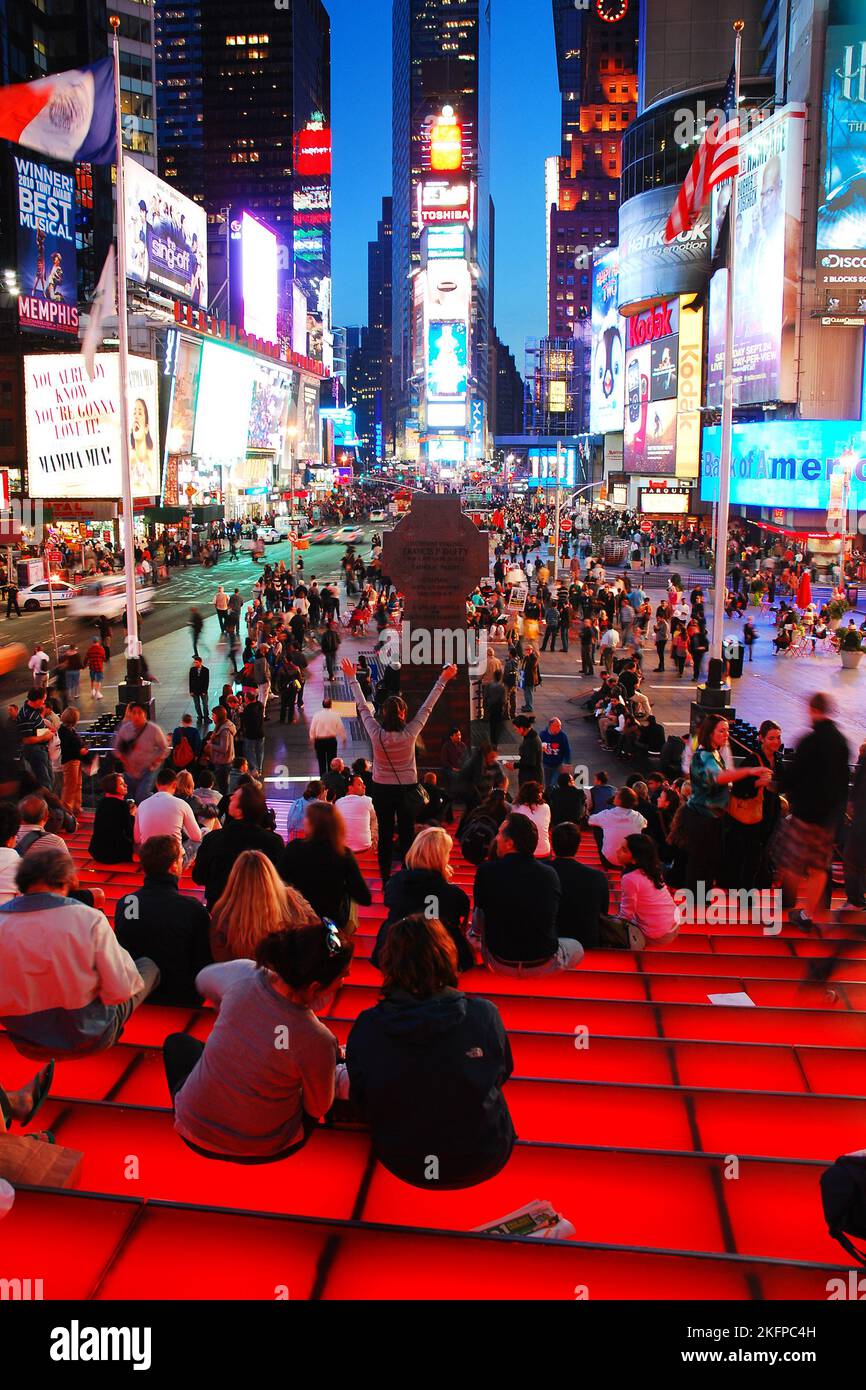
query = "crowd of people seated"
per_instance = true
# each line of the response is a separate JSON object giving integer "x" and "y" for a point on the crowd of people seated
{"x": 427, "y": 1067}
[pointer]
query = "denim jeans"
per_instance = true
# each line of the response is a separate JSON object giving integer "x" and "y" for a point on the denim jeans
{"x": 38, "y": 761}
{"x": 254, "y": 752}
{"x": 141, "y": 787}
{"x": 73, "y": 684}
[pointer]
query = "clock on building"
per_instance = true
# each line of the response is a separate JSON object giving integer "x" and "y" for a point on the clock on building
{"x": 611, "y": 10}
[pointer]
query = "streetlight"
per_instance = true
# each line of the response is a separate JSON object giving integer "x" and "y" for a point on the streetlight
{"x": 292, "y": 435}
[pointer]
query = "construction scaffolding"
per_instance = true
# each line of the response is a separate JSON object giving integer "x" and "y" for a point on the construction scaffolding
{"x": 556, "y": 385}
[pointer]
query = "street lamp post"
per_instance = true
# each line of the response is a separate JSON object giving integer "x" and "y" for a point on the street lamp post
{"x": 293, "y": 434}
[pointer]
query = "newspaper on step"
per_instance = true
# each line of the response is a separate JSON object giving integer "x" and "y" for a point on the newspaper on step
{"x": 537, "y": 1219}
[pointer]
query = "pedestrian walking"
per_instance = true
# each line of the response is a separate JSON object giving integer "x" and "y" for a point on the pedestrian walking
{"x": 196, "y": 623}
{"x": 330, "y": 643}
{"x": 199, "y": 684}
{"x": 327, "y": 731}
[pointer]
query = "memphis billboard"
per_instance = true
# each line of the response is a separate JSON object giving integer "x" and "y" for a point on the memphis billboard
{"x": 45, "y": 234}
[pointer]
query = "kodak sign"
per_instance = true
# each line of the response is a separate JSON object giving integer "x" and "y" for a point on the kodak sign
{"x": 659, "y": 321}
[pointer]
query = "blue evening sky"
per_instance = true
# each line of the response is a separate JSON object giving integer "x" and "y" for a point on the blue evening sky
{"x": 525, "y": 130}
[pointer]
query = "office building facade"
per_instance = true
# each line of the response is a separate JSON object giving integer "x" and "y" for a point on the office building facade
{"x": 441, "y": 84}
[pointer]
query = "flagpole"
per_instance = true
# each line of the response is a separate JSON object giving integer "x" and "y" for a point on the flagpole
{"x": 133, "y": 646}
{"x": 724, "y": 506}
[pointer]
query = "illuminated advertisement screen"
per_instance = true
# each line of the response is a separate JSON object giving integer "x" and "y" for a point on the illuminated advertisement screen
{"x": 181, "y": 423}
{"x": 73, "y": 426}
{"x": 259, "y": 267}
{"x": 311, "y": 421}
{"x": 224, "y": 402}
{"x": 769, "y": 230}
{"x": 166, "y": 236}
{"x": 444, "y": 244}
{"x": 446, "y": 417}
{"x": 313, "y": 151}
{"x": 45, "y": 223}
{"x": 446, "y": 142}
{"x": 663, "y": 375}
{"x": 607, "y": 387}
{"x": 447, "y": 361}
{"x": 268, "y": 407}
{"x": 664, "y": 502}
{"x": 790, "y": 465}
{"x": 651, "y": 358}
{"x": 841, "y": 258}
{"x": 448, "y": 290}
{"x": 445, "y": 201}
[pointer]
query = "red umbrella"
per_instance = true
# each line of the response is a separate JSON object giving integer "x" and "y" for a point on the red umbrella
{"x": 804, "y": 591}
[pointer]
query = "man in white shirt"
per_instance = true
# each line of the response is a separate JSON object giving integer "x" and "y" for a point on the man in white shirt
{"x": 608, "y": 645}
{"x": 616, "y": 824}
{"x": 326, "y": 732}
{"x": 10, "y": 859}
{"x": 221, "y": 604}
{"x": 38, "y": 664}
{"x": 356, "y": 808}
{"x": 66, "y": 986}
{"x": 165, "y": 814}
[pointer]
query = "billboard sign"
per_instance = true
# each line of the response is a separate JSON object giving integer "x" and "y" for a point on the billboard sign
{"x": 181, "y": 419}
{"x": 663, "y": 390}
{"x": 448, "y": 293}
{"x": 797, "y": 464}
{"x": 313, "y": 150}
{"x": 45, "y": 222}
{"x": 73, "y": 426}
{"x": 841, "y": 251}
{"x": 269, "y": 406}
{"x": 650, "y": 269}
{"x": 166, "y": 236}
{"x": 448, "y": 360}
{"x": 224, "y": 400}
{"x": 259, "y": 270}
{"x": 446, "y": 201}
{"x": 477, "y": 420}
{"x": 651, "y": 360}
{"x": 607, "y": 386}
{"x": 443, "y": 244}
{"x": 446, "y": 142}
{"x": 769, "y": 231}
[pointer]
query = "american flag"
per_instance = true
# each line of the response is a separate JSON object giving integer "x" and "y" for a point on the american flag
{"x": 717, "y": 159}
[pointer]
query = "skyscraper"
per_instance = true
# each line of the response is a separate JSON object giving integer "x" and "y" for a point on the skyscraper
{"x": 596, "y": 55}
{"x": 441, "y": 57}
{"x": 370, "y": 366}
{"x": 245, "y": 123}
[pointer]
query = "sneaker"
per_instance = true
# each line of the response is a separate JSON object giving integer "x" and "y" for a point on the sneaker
{"x": 798, "y": 918}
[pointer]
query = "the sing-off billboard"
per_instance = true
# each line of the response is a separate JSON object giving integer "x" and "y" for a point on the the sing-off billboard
{"x": 607, "y": 393}
{"x": 768, "y": 238}
{"x": 166, "y": 236}
{"x": 45, "y": 222}
{"x": 841, "y": 253}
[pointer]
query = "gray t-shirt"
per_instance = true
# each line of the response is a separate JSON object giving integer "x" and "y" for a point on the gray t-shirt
{"x": 265, "y": 1063}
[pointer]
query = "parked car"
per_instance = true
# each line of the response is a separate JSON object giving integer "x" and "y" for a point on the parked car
{"x": 106, "y": 595}
{"x": 36, "y": 595}
{"x": 378, "y": 517}
{"x": 269, "y": 534}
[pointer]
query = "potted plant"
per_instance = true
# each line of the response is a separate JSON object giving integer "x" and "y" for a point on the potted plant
{"x": 850, "y": 648}
{"x": 836, "y": 610}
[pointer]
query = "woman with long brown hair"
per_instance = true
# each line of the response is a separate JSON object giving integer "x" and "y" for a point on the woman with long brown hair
{"x": 322, "y": 868}
{"x": 254, "y": 903}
